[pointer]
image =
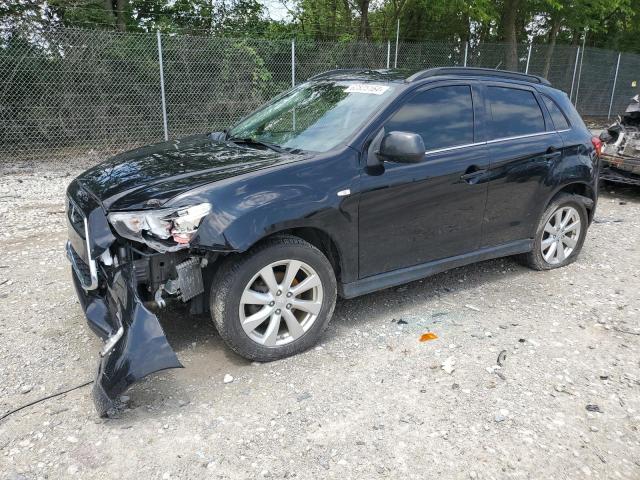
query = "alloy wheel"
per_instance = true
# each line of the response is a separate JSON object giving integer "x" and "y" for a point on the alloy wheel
{"x": 560, "y": 235}
{"x": 281, "y": 303}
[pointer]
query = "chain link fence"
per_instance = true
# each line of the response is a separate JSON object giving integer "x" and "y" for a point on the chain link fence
{"x": 70, "y": 92}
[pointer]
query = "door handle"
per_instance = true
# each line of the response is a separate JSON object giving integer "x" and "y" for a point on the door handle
{"x": 472, "y": 173}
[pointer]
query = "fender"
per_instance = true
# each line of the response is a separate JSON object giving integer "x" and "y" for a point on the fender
{"x": 577, "y": 173}
{"x": 311, "y": 194}
{"x": 578, "y": 187}
{"x": 579, "y": 190}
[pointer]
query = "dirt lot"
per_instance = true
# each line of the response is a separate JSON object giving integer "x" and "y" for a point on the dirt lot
{"x": 370, "y": 402}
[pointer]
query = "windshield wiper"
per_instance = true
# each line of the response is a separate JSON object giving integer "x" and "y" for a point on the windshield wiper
{"x": 254, "y": 142}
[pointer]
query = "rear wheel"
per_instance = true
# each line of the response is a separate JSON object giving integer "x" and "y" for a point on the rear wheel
{"x": 275, "y": 300}
{"x": 560, "y": 234}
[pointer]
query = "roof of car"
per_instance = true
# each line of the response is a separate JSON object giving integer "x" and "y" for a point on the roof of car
{"x": 364, "y": 74}
{"x": 405, "y": 76}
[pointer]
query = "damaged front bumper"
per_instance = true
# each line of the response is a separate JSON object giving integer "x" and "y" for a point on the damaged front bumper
{"x": 113, "y": 279}
{"x": 135, "y": 344}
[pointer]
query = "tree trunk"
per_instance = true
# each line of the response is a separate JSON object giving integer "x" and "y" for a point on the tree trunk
{"x": 509, "y": 16}
{"x": 575, "y": 37}
{"x": 332, "y": 19}
{"x": 347, "y": 14}
{"x": 553, "y": 35}
{"x": 316, "y": 14}
{"x": 364, "y": 32}
{"x": 121, "y": 18}
{"x": 108, "y": 8}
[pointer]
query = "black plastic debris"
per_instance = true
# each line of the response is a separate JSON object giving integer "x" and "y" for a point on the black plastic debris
{"x": 502, "y": 357}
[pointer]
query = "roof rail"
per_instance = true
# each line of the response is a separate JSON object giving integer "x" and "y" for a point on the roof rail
{"x": 477, "y": 72}
{"x": 331, "y": 73}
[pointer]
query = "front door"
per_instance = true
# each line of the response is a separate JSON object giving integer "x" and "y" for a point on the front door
{"x": 411, "y": 214}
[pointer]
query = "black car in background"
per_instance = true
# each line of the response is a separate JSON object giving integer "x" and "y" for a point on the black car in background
{"x": 352, "y": 182}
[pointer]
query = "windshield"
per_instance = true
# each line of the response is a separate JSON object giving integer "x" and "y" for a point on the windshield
{"x": 315, "y": 116}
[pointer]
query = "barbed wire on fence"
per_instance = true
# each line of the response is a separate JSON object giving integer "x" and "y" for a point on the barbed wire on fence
{"x": 67, "y": 91}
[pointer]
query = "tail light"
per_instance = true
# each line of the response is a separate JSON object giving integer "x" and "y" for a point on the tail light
{"x": 597, "y": 144}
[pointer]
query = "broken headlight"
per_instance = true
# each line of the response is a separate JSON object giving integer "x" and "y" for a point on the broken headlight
{"x": 173, "y": 225}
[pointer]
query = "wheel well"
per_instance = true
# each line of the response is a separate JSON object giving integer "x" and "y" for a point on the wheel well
{"x": 316, "y": 237}
{"x": 581, "y": 189}
{"x": 321, "y": 240}
{"x": 578, "y": 189}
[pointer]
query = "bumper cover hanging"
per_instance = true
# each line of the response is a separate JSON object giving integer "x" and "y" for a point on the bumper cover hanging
{"x": 135, "y": 344}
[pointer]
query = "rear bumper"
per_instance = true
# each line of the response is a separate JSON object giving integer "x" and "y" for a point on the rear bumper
{"x": 135, "y": 344}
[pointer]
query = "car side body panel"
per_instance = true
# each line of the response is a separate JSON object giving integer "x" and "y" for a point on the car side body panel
{"x": 518, "y": 182}
{"x": 579, "y": 166}
{"x": 411, "y": 214}
{"x": 527, "y": 171}
{"x": 417, "y": 213}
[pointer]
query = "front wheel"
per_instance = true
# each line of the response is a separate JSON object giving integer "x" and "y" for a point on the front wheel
{"x": 560, "y": 234}
{"x": 275, "y": 300}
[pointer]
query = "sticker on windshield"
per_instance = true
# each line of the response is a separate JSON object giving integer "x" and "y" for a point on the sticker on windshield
{"x": 366, "y": 88}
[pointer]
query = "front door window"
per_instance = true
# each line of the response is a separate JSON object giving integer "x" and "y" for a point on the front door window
{"x": 443, "y": 116}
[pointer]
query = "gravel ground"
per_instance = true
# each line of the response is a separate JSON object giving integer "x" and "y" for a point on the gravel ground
{"x": 371, "y": 401}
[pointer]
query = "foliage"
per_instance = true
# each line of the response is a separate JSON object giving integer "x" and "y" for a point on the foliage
{"x": 98, "y": 86}
{"x": 613, "y": 24}
{"x": 77, "y": 87}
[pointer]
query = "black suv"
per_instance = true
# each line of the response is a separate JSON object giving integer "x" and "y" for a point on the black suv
{"x": 354, "y": 181}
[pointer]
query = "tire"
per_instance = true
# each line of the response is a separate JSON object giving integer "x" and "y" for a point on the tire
{"x": 537, "y": 259}
{"x": 239, "y": 281}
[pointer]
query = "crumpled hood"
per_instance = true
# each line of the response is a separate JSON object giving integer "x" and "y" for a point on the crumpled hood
{"x": 149, "y": 176}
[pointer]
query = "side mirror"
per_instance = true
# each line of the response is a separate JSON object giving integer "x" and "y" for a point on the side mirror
{"x": 217, "y": 137}
{"x": 402, "y": 147}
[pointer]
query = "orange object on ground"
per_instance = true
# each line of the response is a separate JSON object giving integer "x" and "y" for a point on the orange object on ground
{"x": 428, "y": 336}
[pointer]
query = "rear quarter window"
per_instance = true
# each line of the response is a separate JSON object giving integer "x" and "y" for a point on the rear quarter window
{"x": 557, "y": 115}
{"x": 514, "y": 112}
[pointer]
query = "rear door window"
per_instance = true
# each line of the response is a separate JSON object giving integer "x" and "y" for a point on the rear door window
{"x": 559, "y": 118}
{"x": 443, "y": 116}
{"x": 514, "y": 112}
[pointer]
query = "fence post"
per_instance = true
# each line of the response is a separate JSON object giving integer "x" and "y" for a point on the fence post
{"x": 388, "y": 52}
{"x": 164, "y": 102}
{"x": 579, "y": 78}
{"x": 293, "y": 62}
{"x": 395, "y": 62}
{"x": 613, "y": 90}
{"x": 526, "y": 70}
{"x": 575, "y": 69}
{"x": 466, "y": 51}
{"x": 584, "y": 41}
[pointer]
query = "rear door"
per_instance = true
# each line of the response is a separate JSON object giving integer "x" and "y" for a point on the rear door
{"x": 523, "y": 147}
